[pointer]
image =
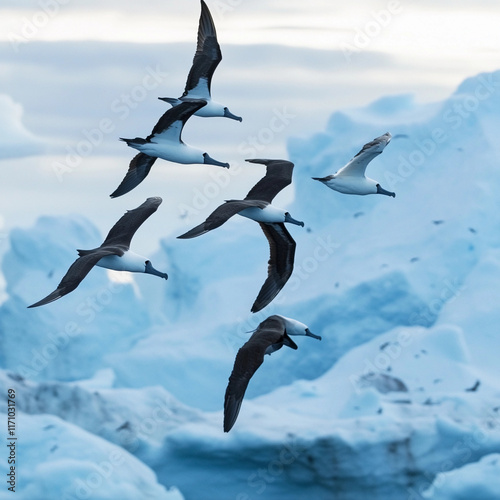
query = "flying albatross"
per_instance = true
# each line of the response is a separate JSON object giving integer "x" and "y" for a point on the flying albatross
{"x": 257, "y": 206}
{"x": 164, "y": 142}
{"x": 351, "y": 179}
{"x": 114, "y": 253}
{"x": 206, "y": 59}
{"x": 272, "y": 334}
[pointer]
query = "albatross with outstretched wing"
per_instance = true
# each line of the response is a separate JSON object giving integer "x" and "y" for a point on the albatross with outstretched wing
{"x": 164, "y": 142}
{"x": 351, "y": 179}
{"x": 257, "y": 206}
{"x": 114, "y": 253}
{"x": 272, "y": 334}
{"x": 206, "y": 59}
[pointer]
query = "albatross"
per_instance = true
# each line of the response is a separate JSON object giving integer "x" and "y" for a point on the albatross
{"x": 164, "y": 142}
{"x": 257, "y": 206}
{"x": 114, "y": 253}
{"x": 206, "y": 59}
{"x": 272, "y": 334}
{"x": 351, "y": 179}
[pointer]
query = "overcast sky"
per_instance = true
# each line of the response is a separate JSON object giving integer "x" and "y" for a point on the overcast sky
{"x": 80, "y": 72}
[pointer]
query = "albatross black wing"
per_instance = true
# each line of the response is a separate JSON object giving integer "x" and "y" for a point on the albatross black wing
{"x": 248, "y": 359}
{"x": 206, "y": 58}
{"x": 280, "y": 267}
{"x": 77, "y": 271}
{"x": 278, "y": 176}
{"x": 171, "y": 123}
{"x": 138, "y": 170}
{"x": 122, "y": 232}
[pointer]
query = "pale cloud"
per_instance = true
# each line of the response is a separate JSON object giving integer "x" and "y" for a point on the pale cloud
{"x": 15, "y": 139}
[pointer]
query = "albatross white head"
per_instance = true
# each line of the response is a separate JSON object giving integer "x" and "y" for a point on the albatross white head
{"x": 294, "y": 327}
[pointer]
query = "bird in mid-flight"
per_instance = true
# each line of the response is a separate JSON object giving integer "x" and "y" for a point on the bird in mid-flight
{"x": 272, "y": 334}
{"x": 257, "y": 206}
{"x": 206, "y": 59}
{"x": 351, "y": 179}
{"x": 114, "y": 253}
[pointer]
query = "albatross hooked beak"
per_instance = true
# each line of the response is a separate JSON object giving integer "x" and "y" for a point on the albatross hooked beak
{"x": 381, "y": 190}
{"x": 310, "y": 334}
{"x": 291, "y": 220}
{"x": 228, "y": 114}
{"x": 207, "y": 160}
{"x": 151, "y": 270}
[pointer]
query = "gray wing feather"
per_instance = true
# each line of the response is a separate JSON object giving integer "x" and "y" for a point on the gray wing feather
{"x": 370, "y": 150}
{"x": 123, "y": 231}
{"x": 280, "y": 266}
{"x": 138, "y": 170}
{"x": 208, "y": 54}
{"x": 77, "y": 271}
{"x": 180, "y": 113}
{"x": 278, "y": 176}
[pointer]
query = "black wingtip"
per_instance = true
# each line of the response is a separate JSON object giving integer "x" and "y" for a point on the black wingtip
{"x": 186, "y": 236}
{"x": 257, "y": 307}
{"x": 230, "y": 415}
{"x": 56, "y": 294}
{"x": 193, "y": 233}
{"x": 117, "y": 192}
